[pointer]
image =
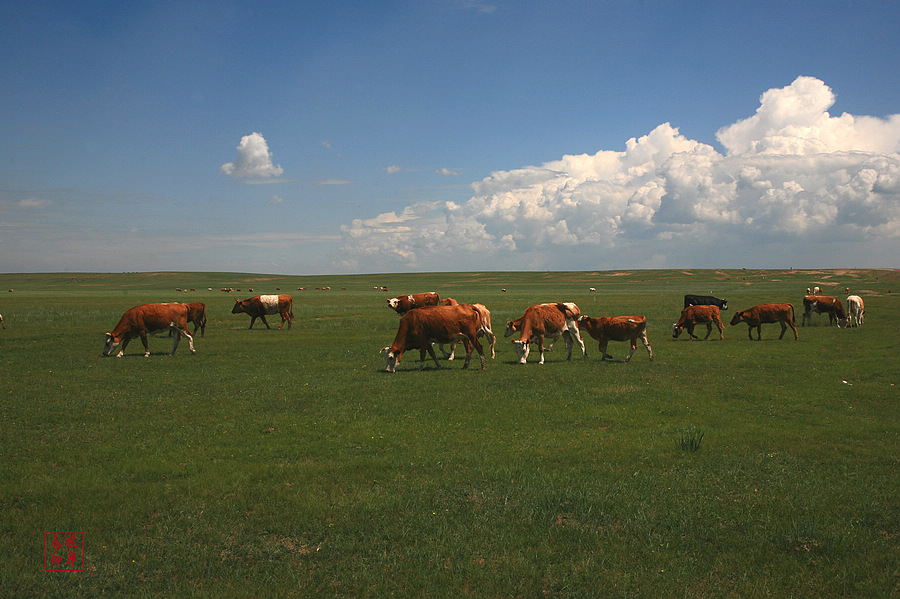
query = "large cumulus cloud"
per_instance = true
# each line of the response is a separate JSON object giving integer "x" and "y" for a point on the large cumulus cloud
{"x": 789, "y": 174}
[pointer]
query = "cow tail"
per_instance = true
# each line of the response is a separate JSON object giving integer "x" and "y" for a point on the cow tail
{"x": 794, "y": 320}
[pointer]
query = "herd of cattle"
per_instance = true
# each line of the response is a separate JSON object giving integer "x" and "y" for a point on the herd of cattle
{"x": 426, "y": 320}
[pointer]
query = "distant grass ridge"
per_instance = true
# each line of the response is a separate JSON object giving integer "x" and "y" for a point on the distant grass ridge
{"x": 288, "y": 464}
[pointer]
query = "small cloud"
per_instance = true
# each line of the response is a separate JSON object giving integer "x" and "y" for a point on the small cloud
{"x": 254, "y": 159}
{"x": 323, "y": 182}
{"x": 446, "y": 172}
{"x": 326, "y": 144}
{"x": 393, "y": 169}
{"x": 33, "y": 203}
{"x": 276, "y": 199}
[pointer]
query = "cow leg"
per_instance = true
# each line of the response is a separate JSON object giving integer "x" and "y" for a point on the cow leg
{"x": 690, "y": 330}
{"x": 430, "y": 349}
{"x": 124, "y": 345}
{"x": 480, "y": 349}
{"x": 567, "y": 336}
{"x": 262, "y": 317}
{"x": 794, "y": 328}
{"x": 633, "y": 343}
{"x": 750, "y": 331}
{"x": 252, "y": 320}
{"x": 143, "y": 335}
{"x": 759, "y": 332}
{"x": 178, "y": 333}
{"x": 783, "y": 329}
{"x": 646, "y": 343}
{"x": 602, "y": 345}
{"x": 573, "y": 330}
{"x": 540, "y": 341}
{"x": 721, "y": 330}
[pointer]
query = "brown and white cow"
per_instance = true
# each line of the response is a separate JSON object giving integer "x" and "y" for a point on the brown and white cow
{"x": 856, "y": 309}
{"x": 694, "y": 315}
{"x": 404, "y": 303}
{"x": 197, "y": 316}
{"x": 1, "y": 322}
{"x": 550, "y": 321}
{"x": 764, "y": 314}
{"x": 617, "y": 328}
{"x": 261, "y": 305}
{"x": 422, "y": 327}
{"x": 148, "y": 318}
{"x": 822, "y": 304}
{"x": 484, "y": 328}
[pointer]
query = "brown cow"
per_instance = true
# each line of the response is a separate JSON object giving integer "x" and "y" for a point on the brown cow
{"x": 404, "y": 303}
{"x": 766, "y": 313}
{"x": 617, "y": 328}
{"x": 260, "y": 305}
{"x": 822, "y": 304}
{"x": 694, "y": 315}
{"x": 546, "y": 320}
{"x": 484, "y": 328}
{"x": 422, "y": 327}
{"x": 197, "y": 316}
{"x": 148, "y": 318}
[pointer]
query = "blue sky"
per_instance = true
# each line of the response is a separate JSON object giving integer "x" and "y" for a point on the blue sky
{"x": 354, "y": 137}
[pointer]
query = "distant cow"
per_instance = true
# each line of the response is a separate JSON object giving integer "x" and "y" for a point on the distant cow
{"x": 261, "y": 305}
{"x": 448, "y": 301}
{"x": 550, "y": 321}
{"x": 404, "y": 303}
{"x": 856, "y": 309}
{"x": 1, "y": 322}
{"x": 148, "y": 318}
{"x": 422, "y": 327}
{"x": 617, "y": 328}
{"x": 694, "y": 315}
{"x": 484, "y": 328}
{"x": 197, "y": 316}
{"x": 766, "y": 313}
{"x": 821, "y": 304}
{"x": 704, "y": 300}
{"x": 814, "y": 291}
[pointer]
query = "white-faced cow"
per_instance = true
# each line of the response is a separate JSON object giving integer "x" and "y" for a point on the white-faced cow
{"x": 617, "y": 328}
{"x": 550, "y": 321}
{"x": 694, "y": 315}
{"x": 148, "y": 318}
{"x": 856, "y": 309}
{"x": 261, "y": 305}
{"x": 705, "y": 300}
{"x": 484, "y": 328}
{"x": 822, "y": 304}
{"x": 764, "y": 314}
{"x": 422, "y": 327}
{"x": 404, "y": 303}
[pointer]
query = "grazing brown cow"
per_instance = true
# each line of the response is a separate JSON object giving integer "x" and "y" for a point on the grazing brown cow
{"x": 766, "y": 313}
{"x": 822, "y": 304}
{"x": 694, "y": 315}
{"x": 148, "y": 318}
{"x": 259, "y": 306}
{"x": 484, "y": 328}
{"x": 550, "y": 321}
{"x": 422, "y": 327}
{"x": 197, "y": 316}
{"x": 855, "y": 307}
{"x": 404, "y": 303}
{"x": 617, "y": 328}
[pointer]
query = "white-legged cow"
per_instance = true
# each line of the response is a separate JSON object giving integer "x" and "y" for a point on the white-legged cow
{"x": 484, "y": 328}
{"x": 856, "y": 309}
{"x": 822, "y": 304}
{"x": 765, "y": 314}
{"x": 550, "y": 321}
{"x": 261, "y": 305}
{"x": 148, "y": 318}
{"x": 422, "y": 327}
{"x": 694, "y": 315}
{"x": 404, "y": 303}
{"x": 617, "y": 328}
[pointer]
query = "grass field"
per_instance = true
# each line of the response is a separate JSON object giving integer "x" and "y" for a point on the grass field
{"x": 288, "y": 464}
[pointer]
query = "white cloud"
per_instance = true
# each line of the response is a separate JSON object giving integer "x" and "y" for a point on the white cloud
{"x": 446, "y": 172}
{"x": 791, "y": 174}
{"x": 254, "y": 159}
{"x": 393, "y": 169}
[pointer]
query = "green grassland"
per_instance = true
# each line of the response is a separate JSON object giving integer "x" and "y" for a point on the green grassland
{"x": 289, "y": 464}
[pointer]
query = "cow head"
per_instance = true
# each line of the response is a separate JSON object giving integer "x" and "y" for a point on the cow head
{"x": 111, "y": 345}
{"x": 510, "y": 328}
{"x": 522, "y": 348}
{"x": 394, "y": 302}
{"x": 391, "y": 359}
{"x": 238, "y": 307}
{"x": 738, "y": 317}
{"x": 676, "y": 330}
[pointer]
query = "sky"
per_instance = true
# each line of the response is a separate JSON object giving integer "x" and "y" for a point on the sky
{"x": 347, "y": 137}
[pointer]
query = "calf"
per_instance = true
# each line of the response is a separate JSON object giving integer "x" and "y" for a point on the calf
{"x": 617, "y": 328}
{"x": 766, "y": 313}
{"x": 821, "y": 304}
{"x": 404, "y": 303}
{"x": 261, "y": 305}
{"x": 694, "y": 315}
{"x": 856, "y": 309}
{"x": 148, "y": 318}
{"x": 546, "y": 320}
{"x": 435, "y": 324}
{"x": 704, "y": 300}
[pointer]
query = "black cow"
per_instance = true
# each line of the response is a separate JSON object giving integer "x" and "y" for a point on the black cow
{"x": 705, "y": 300}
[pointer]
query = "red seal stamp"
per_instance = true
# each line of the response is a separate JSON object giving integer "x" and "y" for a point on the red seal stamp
{"x": 63, "y": 550}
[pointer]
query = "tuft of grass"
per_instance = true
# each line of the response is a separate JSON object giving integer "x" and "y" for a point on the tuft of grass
{"x": 691, "y": 439}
